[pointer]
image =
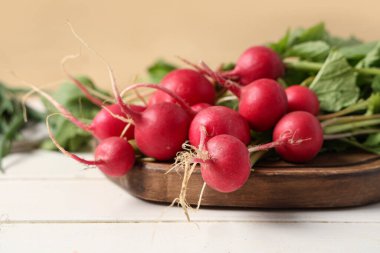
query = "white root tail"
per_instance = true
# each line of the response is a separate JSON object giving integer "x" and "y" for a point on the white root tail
{"x": 187, "y": 162}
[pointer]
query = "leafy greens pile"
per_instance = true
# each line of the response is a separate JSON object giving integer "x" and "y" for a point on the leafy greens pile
{"x": 12, "y": 119}
{"x": 345, "y": 75}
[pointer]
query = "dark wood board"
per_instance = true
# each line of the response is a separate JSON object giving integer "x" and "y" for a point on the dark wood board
{"x": 331, "y": 180}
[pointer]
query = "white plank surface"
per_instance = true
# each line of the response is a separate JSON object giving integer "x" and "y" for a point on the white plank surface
{"x": 46, "y": 165}
{"x": 48, "y": 203}
{"x": 182, "y": 237}
{"x": 81, "y": 200}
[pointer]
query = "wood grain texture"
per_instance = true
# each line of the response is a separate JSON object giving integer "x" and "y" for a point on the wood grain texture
{"x": 331, "y": 180}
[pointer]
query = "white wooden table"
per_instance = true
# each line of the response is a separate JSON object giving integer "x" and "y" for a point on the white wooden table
{"x": 48, "y": 203}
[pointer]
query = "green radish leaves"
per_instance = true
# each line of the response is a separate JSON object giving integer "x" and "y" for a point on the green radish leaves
{"x": 297, "y": 36}
{"x": 312, "y": 50}
{"x": 358, "y": 51}
{"x": 372, "y": 58}
{"x": 335, "y": 84}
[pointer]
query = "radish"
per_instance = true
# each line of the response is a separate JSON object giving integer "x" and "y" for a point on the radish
{"x": 303, "y": 126}
{"x": 228, "y": 166}
{"x": 105, "y": 125}
{"x": 199, "y": 107}
{"x": 109, "y": 121}
{"x": 162, "y": 128}
{"x": 256, "y": 63}
{"x": 188, "y": 84}
{"x": 262, "y": 103}
{"x": 114, "y": 156}
{"x": 219, "y": 120}
{"x": 224, "y": 160}
{"x": 301, "y": 98}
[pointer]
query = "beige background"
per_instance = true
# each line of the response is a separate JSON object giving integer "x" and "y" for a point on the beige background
{"x": 131, "y": 34}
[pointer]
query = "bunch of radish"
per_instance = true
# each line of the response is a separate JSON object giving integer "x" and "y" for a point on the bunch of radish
{"x": 183, "y": 109}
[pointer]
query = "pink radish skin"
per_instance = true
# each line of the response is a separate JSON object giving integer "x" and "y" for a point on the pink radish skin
{"x": 161, "y": 130}
{"x": 104, "y": 125}
{"x": 116, "y": 155}
{"x": 229, "y": 166}
{"x": 301, "y": 98}
{"x": 262, "y": 103}
{"x": 188, "y": 84}
{"x": 256, "y": 63}
{"x": 304, "y": 126}
{"x": 199, "y": 107}
{"x": 219, "y": 120}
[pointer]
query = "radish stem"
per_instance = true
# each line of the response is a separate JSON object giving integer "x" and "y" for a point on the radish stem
{"x": 349, "y": 126}
{"x": 315, "y": 66}
{"x": 351, "y": 134}
{"x": 353, "y": 108}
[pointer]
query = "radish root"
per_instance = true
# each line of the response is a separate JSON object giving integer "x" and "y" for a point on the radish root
{"x": 187, "y": 161}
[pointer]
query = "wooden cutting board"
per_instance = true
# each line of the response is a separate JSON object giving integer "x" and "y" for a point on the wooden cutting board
{"x": 331, "y": 180}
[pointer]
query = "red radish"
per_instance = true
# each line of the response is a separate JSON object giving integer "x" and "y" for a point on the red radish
{"x": 228, "y": 166}
{"x": 199, "y": 107}
{"x": 224, "y": 162}
{"x": 105, "y": 125}
{"x": 188, "y": 84}
{"x": 219, "y": 120}
{"x": 262, "y": 103}
{"x": 301, "y": 98}
{"x": 114, "y": 156}
{"x": 110, "y": 120}
{"x": 162, "y": 128}
{"x": 303, "y": 126}
{"x": 256, "y": 63}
